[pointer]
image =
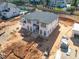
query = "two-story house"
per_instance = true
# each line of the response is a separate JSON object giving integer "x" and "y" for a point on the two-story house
{"x": 42, "y": 23}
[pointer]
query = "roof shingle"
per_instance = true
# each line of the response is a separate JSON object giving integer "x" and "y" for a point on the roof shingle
{"x": 44, "y": 17}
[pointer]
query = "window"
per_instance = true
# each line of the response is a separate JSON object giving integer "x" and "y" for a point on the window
{"x": 34, "y": 31}
{"x": 43, "y": 25}
{"x": 27, "y": 27}
{"x": 48, "y": 32}
{"x": 40, "y": 31}
{"x": 24, "y": 21}
{"x": 44, "y": 33}
{"x": 37, "y": 22}
{"x": 30, "y": 28}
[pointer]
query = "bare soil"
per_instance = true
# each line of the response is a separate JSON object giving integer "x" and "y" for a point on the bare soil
{"x": 16, "y": 48}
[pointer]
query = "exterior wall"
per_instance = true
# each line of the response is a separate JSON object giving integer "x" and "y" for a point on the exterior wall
{"x": 44, "y": 29}
{"x": 75, "y": 32}
{"x": 31, "y": 26}
{"x": 52, "y": 26}
{"x": 48, "y": 29}
{"x": 24, "y": 25}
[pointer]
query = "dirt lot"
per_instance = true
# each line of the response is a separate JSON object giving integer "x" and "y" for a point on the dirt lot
{"x": 16, "y": 48}
{"x": 8, "y": 26}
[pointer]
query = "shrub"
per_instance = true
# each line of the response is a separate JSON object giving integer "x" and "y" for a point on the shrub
{"x": 23, "y": 8}
{"x": 18, "y": 2}
{"x": 72, "y": 8}
{"x": 58, "y": 10}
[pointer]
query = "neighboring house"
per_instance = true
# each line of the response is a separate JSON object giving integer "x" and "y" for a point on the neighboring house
{"x": 55, "y": 3}
{"x": 35, "y": 1}
{"x": 42, "y": 23}
{"x": 9, "y": 10}
{"x": 75, "y": 29}
{"x": 69, "y": 1}
{"x": 62, "y": 2}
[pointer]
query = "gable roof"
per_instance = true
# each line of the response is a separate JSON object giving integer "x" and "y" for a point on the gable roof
{"x": 44, "y": 17}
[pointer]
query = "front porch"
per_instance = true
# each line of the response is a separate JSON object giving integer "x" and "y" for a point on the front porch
{"x": 35, "y": 28}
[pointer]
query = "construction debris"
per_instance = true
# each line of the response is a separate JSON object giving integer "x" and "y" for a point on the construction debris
{"x": 21, "y": 49}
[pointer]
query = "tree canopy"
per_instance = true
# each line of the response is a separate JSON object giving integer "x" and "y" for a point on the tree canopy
{"x": 74, "y": 3}
{"x": 18, "y": 2}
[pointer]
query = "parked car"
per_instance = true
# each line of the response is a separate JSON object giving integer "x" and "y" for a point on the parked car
{"x": 64, "y": 44}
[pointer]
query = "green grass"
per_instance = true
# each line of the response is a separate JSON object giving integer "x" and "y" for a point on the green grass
{"x": 18, "y": 2}
{"x": 58, "y": 10}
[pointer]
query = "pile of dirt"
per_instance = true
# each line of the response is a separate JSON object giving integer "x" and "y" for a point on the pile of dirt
{"x": 66, "y": 21}
{"x": 21, "y": 50}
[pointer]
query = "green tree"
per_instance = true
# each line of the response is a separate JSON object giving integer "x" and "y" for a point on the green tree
{"x": 18, "y": 2}
{"x": 73, "y": 7}
{"x": 47, "y": 2}
{"x": 74, "y": 3}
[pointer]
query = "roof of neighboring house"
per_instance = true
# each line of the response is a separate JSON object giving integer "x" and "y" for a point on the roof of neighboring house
{"x": 44, "y": 17}
{"x": 76, "y": 27}
{"x": 54, "y": 2}
{"x": 9, "y": 4}
{"x": 5, "y": 5}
